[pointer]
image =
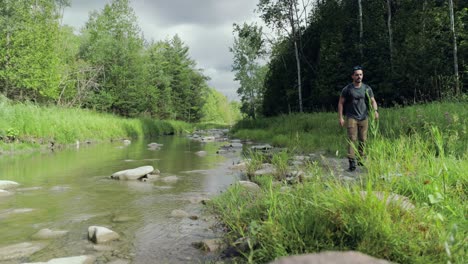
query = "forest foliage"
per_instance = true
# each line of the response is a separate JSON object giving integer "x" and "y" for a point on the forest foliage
{"x": 406, "y": 48}
{"x": 107, "y": 66}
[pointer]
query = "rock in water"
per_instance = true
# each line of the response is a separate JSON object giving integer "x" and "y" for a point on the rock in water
{"x": 99, "y": 234}
{"x": 133, "y": 174}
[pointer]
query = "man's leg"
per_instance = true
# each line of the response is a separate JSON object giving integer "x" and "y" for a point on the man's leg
{"x": 352, "y": 138}
{"x": 363, "y": 126}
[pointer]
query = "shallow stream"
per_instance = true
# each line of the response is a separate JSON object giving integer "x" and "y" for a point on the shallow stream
{"x": 71, "y": 190}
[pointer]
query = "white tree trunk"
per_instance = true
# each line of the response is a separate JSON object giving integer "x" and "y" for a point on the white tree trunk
{"x": 455, "y": 55}
{"x": 299, "y": 82}
{"x": 295, "y": 33}
{"x": 390, "y": 35}
{"x": 361, "y": 29}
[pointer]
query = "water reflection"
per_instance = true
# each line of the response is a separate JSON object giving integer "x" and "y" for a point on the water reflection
{"x": 71, "y": 190}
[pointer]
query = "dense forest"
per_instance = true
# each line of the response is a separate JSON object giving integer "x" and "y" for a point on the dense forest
{"x": 411, "y": 52}
{"x": 107, "y": 66}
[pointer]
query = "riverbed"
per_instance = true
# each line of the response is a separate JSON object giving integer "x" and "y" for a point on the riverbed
{"x": 71, "y": 190}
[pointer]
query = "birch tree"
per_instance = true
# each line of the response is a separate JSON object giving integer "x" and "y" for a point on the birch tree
{"x": 285, "y": 17}
{"x": 455, "y": 53}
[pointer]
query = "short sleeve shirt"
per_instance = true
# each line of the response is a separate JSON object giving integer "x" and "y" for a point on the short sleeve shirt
{"x": 356, "y": 102}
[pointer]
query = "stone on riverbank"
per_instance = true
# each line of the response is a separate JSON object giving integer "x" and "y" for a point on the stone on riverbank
{"x": 348, "y": 257}
{"x": 20, "y": 250}
{"x": 133, "y": 174}
{"x": 251, "y": 186}
{"x": 99, "y": 234}
{"x": 392, "y": 199}
{"x": 88, "y": 259}
{"x": 209, "y": 245}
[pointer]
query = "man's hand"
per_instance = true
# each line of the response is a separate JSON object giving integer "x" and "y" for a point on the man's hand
{"x": 342, "y": 121}
{"x": 376, "y": 115}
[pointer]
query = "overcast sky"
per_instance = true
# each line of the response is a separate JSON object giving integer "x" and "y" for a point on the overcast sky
{"x": 205, "y": 26}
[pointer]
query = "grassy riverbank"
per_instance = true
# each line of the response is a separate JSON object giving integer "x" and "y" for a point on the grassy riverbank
{"x": 419, "y": 152}
{"x": 312, "y": 132}
{"x": 29, "y": 126}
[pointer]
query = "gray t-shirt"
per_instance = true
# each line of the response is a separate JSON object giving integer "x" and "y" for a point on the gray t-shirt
{"x": 356, "y": 102}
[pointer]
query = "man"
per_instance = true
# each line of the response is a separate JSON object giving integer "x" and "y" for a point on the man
{"x": 354, "y": 101}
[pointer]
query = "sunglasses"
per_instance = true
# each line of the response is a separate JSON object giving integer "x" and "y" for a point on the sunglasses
{"x": 356, "y": 68}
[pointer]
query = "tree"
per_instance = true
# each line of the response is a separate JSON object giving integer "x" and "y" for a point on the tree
{"x": 455, "y": 53}
{"x": 218, "y": 110}
{"x": 114, "y": 42}
{"x": 29, "y": 65}
{"x": 188, "y": 84}
{"x": 247, "y": 50}
{"x": 284, "y": 16}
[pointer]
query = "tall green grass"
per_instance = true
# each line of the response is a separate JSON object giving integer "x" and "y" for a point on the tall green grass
{"x": 427, "y": 162}
{"x": 321, "y": 131}
{"x": 30, "y": 125}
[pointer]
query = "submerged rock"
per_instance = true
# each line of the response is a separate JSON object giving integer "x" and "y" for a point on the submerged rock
{"x": 133, "y": 174}
{"x": 20, "y": 250}
{"x": 170, "y": 179}
{"x": 69, "y": 260}
{"x": 179, "y": 213}
{"x": 209, "y": 245}
{"x": 4, "y": 193}
{"x": 49, "y": 234}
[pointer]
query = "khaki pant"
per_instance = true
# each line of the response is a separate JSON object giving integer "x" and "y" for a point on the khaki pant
{"x": 356, "y": 130}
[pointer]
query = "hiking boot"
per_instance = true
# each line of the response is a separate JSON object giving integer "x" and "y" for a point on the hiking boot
{"x": 352, "y": 165}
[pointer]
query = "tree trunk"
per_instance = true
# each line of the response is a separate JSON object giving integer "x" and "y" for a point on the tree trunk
{"x": 361, "y": 29}
{"x": 390, "y": 35}
{"x": 292, "y": 11}
{"x": 455, "y": 55}
{"x": 7, "y": 63}
{"x": 299, "y": 83}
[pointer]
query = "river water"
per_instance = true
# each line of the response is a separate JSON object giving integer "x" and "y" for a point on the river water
{"x": 71, "y": 190}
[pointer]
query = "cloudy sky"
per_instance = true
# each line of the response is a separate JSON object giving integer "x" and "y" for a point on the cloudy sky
{"x": 205, "y": 26}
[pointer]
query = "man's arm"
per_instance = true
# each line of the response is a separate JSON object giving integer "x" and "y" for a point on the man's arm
{"x": 340, "y": 110}
{"x": 375, "y": 107}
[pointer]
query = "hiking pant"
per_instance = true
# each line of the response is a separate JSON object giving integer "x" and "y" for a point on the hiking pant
{"x": 357, "y": 130}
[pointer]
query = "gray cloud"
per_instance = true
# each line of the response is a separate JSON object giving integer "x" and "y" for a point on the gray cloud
{"x": 205, "y": 26}
{"x": 202, "y": 12}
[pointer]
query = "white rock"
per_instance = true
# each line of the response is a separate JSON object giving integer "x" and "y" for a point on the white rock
{"x": 133, "y": 174}
{"x": 8, "y": 184}
{"x": 99, "y": 234}
{"x": 69, "y": 260}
